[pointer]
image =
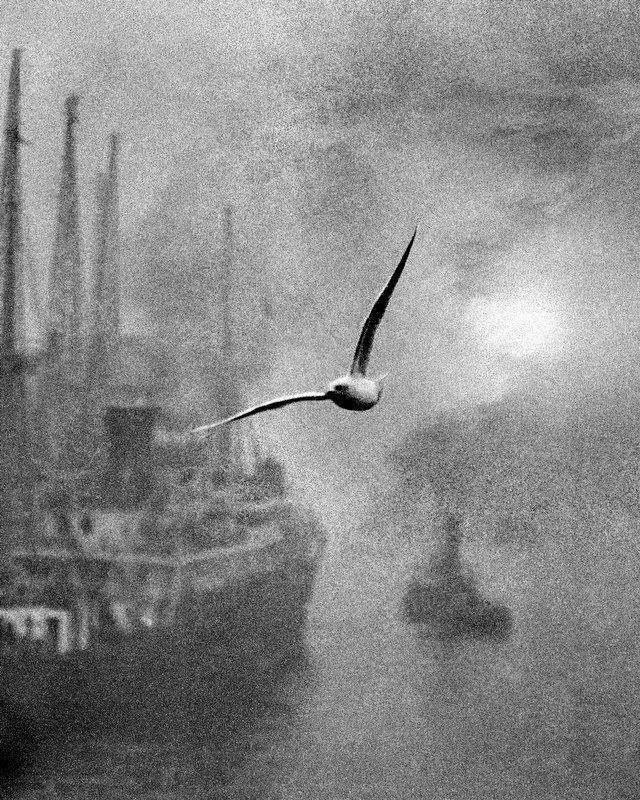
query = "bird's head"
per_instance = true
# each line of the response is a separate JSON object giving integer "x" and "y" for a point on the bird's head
{"x": 339, "y": 388}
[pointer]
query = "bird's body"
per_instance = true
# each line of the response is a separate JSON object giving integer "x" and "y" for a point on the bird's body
{"x": 354, "y": 391}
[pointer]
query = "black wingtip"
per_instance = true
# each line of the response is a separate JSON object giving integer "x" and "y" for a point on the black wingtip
{"x": 411, "y": 241}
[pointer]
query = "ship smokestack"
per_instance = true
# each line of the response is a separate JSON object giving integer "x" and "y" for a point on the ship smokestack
{"x": 130, "y": 468}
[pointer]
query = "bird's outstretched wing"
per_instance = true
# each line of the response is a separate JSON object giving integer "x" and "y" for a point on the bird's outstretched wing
{"x": 277, "y": 402}
{"x": 365, "y": 343}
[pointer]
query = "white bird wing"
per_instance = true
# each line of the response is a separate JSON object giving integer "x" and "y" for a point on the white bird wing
{"x": 365, "y": 343}
{"x": 277, "y": 402}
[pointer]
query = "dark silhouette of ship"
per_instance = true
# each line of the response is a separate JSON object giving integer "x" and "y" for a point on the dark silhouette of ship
{"x": 446, "y": 601}
{"x": 136, "y": 568}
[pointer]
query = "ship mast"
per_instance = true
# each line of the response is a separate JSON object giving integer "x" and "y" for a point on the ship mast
{"x": 63, "y": 382}
{"x": 239, "y": 449}
{"x": 104, "y": 323}
{"x": 11, "y": 212}
{"x": 106, "y": 293}
{"x": 13, "y": 392}
{"x": 229, "y": 400}
{"x": 105, "y": 305}
{"x": 65, "y": 305}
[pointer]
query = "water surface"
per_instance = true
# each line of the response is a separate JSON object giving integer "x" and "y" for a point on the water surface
{"x": 377, "y": 712}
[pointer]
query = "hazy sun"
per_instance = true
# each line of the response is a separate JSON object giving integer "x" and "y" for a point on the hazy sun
{"x": 519, "y": 326}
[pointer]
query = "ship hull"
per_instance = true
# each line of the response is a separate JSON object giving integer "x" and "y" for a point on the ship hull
{"x": 225, "y": 641}
{"x": 439, "y": 612}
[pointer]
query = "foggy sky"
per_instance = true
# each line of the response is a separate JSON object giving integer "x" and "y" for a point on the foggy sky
{"x": 507, "y": 131}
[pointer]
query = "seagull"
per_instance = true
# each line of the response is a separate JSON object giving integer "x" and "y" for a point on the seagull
{"x": 354, "y": 391}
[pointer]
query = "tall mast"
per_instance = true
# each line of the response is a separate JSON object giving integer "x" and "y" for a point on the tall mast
{"x": 63, "y": 384}
{"x": 105, "y": 305}
{"x": 228, "y": 258}
{"x": 106, "y": 297}
{"x": 104, "y": 323}
{"x": 13, "y": 395}
{"x": 66, "y": 284}
{"x": 11, "y": 211}
{"x": 229, "y": 401}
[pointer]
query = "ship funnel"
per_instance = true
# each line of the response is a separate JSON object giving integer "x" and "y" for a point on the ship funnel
{"x": 130, "y": 468}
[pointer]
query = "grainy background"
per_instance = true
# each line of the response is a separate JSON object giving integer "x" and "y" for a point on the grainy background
{"x": 508, "y": 132}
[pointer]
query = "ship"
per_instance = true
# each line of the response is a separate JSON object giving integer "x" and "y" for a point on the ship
{"x": 445, "y": 601}
{"x": 139, "y": 568}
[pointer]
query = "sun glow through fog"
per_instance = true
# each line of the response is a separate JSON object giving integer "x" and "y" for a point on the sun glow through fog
{"x": 519, "y": 327}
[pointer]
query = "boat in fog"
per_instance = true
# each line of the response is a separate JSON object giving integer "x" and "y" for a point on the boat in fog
{"x": 446, "y": 602}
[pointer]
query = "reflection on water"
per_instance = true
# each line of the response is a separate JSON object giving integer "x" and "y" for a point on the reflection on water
{"x": 378, "y": 712}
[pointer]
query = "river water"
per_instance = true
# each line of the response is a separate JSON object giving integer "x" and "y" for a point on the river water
{"x": 376, "y": 712}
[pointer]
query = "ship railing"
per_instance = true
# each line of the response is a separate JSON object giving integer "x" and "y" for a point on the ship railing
{"x": 267, "y": 535}
{"x": 226, "y": 503}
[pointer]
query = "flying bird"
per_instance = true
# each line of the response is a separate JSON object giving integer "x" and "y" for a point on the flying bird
{"x": 354, "y": 391}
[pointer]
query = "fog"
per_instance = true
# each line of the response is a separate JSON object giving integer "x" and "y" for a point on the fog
{"x": 509, "y": 133}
